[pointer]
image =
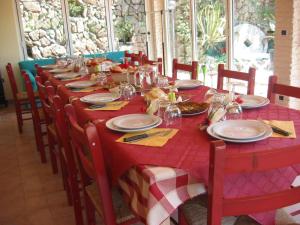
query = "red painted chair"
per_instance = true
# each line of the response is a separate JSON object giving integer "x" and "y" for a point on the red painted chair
{"x": 48, "y": 116}
{"x": 20, "y": 99}
{"x": 222, "y": 164}
{"x": 281, "y": 89}
{"x": 193, "y": 69}
{"x": 249, "y": 77}
{"x": 98, "y": 194}
{"x": 69, "y": 168}
{"x": 134, "y": 57}
{"x": 40, "y": 72}
{"x": 153, "y": 62}
{"x": 38, "y": 119}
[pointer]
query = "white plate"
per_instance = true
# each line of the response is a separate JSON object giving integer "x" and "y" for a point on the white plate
{"x": 69, "y": 75}
{"x": 210, "y": 131}
{"x": 50, "y": 67}
{"x": 81, "y": 84}
{"x": 110, "y": 125}
{"x": 60, "y": 70}
{"x": 187, "y": 84}
{"x": 135, "y": 121}
{"x": 240, "y": 129}
{"x": 253, "y": 101}
{"x": 100, "y": 98}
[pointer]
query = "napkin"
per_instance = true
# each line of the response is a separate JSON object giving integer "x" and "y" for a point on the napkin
{"x": 154, "y": 141}
{"x": 285, "y": 125}
{"x": 111, "y": 106}
{"x": 89, "y": 89}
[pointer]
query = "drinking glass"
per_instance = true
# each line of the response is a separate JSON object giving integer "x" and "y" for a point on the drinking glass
{"x": 216, "y": 110}
{"x": 209, "y": 95}
{"x": 102, "y": 78}
{"x": 172, "y": 116}
{"x": 128, "y": 91}
{"x": 162, "y": 106}
{"x": 162, "y": 82}
{"x": 233, "y": 111}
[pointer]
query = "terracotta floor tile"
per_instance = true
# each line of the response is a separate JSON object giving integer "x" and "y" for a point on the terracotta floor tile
{"x": 41, "y": 217}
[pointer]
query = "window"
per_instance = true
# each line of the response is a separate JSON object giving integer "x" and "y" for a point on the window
{"x": 43, "y": 28}
{"x": 58, "y": 28}
{"x": 129, "y": 20}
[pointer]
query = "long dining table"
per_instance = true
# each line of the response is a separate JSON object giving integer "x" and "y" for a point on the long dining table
{"x": 157, "y": 180}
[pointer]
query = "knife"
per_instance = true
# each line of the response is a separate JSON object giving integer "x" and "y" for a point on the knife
{"x": 280, "y": 131}
{"x": 277, "y": 130}
{"x": 143, "y": 136}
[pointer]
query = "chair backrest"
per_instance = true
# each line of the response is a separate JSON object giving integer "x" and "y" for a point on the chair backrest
{"x": 153, "y": 62}
{"x": 193, "y": 69}
{"x": 135, "y": 57}
{"x": 281, "y": 89}
{"x": 223, "y": 163}
{"x": 249, "y": 77}
{"x": 41, "y": 73}
{"x": 59, "y": 119}
{"x": 31, "y": 98}
{"x": 87, "y": 142}
{"x": 12, "y": 80}
{"x": 48, "y": 110}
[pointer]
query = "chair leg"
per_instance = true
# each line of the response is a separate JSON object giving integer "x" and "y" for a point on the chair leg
{"x": 51, "y": 143}
{"x": 76, "y": 199}
{"x": 19, "y": 118}
{"x": 65, "y": 177}
{"x": 39, "y": 142}
{"x": 90, "y": 210}
{"x": 181, "y": 218}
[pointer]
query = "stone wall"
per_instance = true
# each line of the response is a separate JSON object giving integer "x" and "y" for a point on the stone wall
{"x": 43, "y": 28}
{"x": 88, "y": 27}
{"x": 131, "y": 13}
{"x": 45, "y": 35}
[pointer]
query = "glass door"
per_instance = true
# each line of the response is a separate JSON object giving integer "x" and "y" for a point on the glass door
{"x": 211, "y": 38}
{"x": 253, "y": 39}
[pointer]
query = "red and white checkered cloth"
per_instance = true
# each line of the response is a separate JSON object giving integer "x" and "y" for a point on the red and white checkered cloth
{"x": 156, "y": 192}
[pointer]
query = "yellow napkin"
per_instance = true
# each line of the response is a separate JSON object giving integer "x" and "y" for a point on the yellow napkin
{"x": 89, "y": 89}
{"x": 285, "y": 125}
{"x": 154, "y": 141}
{"x": 117, "y": 105}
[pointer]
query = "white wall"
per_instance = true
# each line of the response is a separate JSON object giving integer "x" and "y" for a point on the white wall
{"x": 10, "y": 50}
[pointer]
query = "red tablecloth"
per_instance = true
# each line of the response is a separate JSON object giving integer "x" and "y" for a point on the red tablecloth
{"x": 189, "y": 149}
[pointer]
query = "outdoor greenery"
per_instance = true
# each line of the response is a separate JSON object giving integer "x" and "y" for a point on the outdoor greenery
{"x": 124, "y": 29}
{"x": 211, "y": 22}
{"x": 75, "y": 8}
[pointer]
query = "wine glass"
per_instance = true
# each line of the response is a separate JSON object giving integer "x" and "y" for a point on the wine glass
{"x": 216, "y": 110}
{"x": 172, "y": 116}
{"x": 102, "y": 78}
{"x": 233, "y": 111}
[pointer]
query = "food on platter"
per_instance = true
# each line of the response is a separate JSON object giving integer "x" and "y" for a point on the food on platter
{"x": 192, "y": 107}
{"x": 123, "y": 69}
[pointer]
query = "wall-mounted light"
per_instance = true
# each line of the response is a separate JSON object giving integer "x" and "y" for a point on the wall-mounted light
{"x": 171, "y": 4}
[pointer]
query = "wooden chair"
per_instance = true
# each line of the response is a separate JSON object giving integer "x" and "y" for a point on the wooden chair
{"x": 38, "y": 119}
{"x": 153, "y": 62}
{"x": 223, "y": 163}
{"x": 48, "y": 115}
{"x": 193, "y": 69}
{"x": 281, "y": 89}
{"x": 40, "y": 72}
{"x": 249, "y": 77}
{"x": 134, "y": 57}
{"x": 20, "y": 99}
{"x": 69, "y": 168}
{"x": 97, "y": 192}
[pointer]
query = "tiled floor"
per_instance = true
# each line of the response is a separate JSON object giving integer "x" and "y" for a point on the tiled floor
{"x": 29, "y": 193}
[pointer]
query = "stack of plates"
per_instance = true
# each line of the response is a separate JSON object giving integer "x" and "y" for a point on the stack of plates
{"x": 50, "y": 67}
{"x": 240, "y": 131}
{"x": 187, "y": 84}
{"x": 60, "y": 70}
{"x": 100, "y": 98}
{"x": 81, "y": 84}
{"x": 252, "y": 101}
{"x": 64, "y": 76}
{"x": 133, "y": 123}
